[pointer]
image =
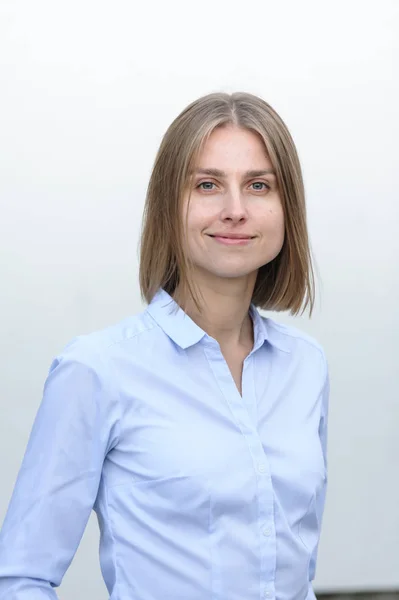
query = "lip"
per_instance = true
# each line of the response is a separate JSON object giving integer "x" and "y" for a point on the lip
{"x": 232, "y": 239}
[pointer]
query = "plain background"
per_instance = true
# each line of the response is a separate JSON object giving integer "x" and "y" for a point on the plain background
{"x": 87, "y": 90}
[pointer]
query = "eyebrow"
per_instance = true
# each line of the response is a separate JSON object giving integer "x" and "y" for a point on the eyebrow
{"x": 218, "y": 173}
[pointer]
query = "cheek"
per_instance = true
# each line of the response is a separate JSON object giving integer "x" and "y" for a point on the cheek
{"x": 274, "y": 221}
{"x": 195, "y": 225}
{"x": 198, "y": 218}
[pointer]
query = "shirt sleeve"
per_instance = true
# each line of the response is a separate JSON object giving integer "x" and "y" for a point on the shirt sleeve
{"x": 58, "y": 480}
{"x": 321, "y": 496}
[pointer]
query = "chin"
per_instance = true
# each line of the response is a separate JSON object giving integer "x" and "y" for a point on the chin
{"x": 230, "y": 272}
{"x": 224, "y": 269}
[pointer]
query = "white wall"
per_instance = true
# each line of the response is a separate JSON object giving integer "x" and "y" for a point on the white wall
{"x": 87, "y": 89}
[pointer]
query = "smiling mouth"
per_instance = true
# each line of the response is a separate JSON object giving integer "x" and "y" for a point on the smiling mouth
{"x": 232, "y": 240}
{"x": 232, "y": 237}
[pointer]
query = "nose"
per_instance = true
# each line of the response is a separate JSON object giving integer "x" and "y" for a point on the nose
{"x": 234, "y": 207}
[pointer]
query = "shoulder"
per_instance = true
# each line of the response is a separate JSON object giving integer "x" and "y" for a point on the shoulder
{"x": 292, "y": 335}
{"x": 306, "y": 354}
{"x": 96, "y": 348}
{"x": 295, "y": 341}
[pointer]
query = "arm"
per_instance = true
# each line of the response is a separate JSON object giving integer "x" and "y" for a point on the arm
{"x": 321, "y": 497}
{"x": 57, "y": 483}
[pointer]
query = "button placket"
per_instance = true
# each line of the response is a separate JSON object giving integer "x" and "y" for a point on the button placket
{"x": 267, "y": 531}
{"x": 240, "y": 407}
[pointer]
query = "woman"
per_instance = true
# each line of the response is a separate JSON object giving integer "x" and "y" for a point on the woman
{"x": 197, "y": 429}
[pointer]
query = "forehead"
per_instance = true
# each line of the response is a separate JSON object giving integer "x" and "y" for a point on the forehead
{"x": 233, "y": 146}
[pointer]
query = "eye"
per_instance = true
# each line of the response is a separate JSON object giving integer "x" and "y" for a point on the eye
{"x": 206, "y": 185}
{"x": 258, "y": 186}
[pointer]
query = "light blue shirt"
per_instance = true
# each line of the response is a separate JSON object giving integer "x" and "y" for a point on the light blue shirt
{"x": 200, "y": 493}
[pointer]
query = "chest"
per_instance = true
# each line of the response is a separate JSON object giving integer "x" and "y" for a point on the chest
{"x": 195, "y": 424}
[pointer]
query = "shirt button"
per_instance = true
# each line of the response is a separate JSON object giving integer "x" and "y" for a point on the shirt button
{"x": 267, "y": 532}
{"x": 267, "y": 594}
{"x": 262, "y": 468}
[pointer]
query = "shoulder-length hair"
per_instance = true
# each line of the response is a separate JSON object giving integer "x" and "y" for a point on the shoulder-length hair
{"x": 284, "y": 284}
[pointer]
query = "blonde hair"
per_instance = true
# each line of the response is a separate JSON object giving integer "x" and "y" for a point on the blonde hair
{"x": 284, "y": 284}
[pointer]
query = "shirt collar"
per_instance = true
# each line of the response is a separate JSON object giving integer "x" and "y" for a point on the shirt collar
{"x": 265, "y": 332}
{"x": 174, "y": 321}
{"x": 185, "y": 333}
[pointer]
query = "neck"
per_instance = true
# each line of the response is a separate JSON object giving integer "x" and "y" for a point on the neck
{"x": 224, "y": 311}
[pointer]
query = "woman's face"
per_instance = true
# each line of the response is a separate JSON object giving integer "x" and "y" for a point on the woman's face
{"x": 235, "y": 220}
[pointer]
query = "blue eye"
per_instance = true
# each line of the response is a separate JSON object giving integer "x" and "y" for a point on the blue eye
{"x": 207, "y": 184}
{"x": 260, "y": 183}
